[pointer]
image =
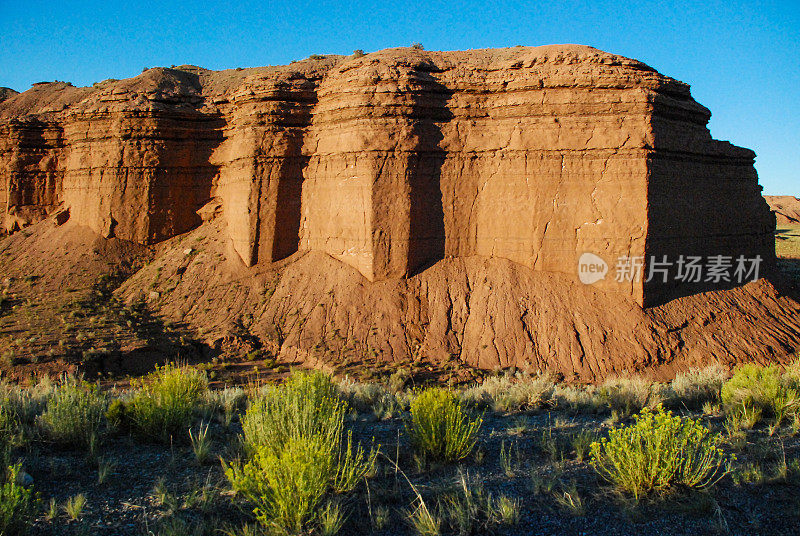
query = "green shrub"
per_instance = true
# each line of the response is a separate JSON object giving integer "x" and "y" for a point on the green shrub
{"x": 657, "y": 451}
{"x": 441, "y": 427}
{"x": 306, "y": 405}
{"x": 288, "y": 486}
{"x": 116, "y": 414}
{"x": 74, "y": 414}
{"x": 165, "y": 403}
{"x": 761, "y": 388}
{"x": 17, "y": 503}
{"x": 297, "y": 453}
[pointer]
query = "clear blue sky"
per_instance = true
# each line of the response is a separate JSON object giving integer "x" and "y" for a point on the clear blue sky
{"x": 742, "y": 59}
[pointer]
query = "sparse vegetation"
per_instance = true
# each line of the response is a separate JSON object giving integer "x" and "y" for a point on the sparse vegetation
{"x": 74, "y": 506}
{"x": 297, "y": 454}
{"x": 440, "y": 427}
{"x": 696, "y": 387}
{"x": 166, "y": 401}
{"x": 658, "y": 451}
{"x": 306, "y": 463}
{"x": 74, "y": 413}
{"x": 509, "y": 393}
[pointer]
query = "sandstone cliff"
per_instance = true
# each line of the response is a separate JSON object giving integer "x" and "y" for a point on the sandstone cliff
{"x": 409, "y": 203}
{"x": 395, "y": 160}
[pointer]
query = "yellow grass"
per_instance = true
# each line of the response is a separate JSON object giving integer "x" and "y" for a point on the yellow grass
{"x": 787, "y": 241}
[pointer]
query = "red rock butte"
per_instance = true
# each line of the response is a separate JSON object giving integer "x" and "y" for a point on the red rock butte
{"x": 394, "y": 161}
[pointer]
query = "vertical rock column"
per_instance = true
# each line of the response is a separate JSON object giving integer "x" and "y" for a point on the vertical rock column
{"x": 704, "y": 199}
{"x": 29, "y": 155}
{"x": 261, "y": 167}
{"x": 371, "y": 196}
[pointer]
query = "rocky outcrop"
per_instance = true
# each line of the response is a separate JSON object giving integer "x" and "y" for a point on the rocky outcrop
{"x": 395, "y": 160}
{"x": 785, "y": 207}
{"x": 6, "y": 93}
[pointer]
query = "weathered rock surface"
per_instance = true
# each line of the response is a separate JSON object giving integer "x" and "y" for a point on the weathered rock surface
{"x": 785, "y": 207}
{"x": 395, "y": 160}
{"x": 410, "y": 202}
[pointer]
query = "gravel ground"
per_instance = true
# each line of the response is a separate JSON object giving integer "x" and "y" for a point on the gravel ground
{"x": 197, "y": 501}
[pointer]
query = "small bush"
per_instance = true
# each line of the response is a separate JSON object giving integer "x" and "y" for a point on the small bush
{"x": 752, "y": 385}
{"x": 286, "y": 487}
{"x": 626, "y": 396}
{"x": 298, "y": 453}
{"x": 761, "y": 388}
{"x": 507, "y": 393}
{"x": 74, "y": 414}
{"x": 116, "y": 414}
{"x": 74, "y": 506}
{"x": 697, "y": 387}
{"x": 657, "y": 451}
{"x": 17, "y": 503}
{"x": 306, "y": 405}
{"x": 440, "y": 427}
{"x": 165, "y": 403}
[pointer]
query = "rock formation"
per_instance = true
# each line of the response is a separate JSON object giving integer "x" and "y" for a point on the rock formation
{"x": 785, "y": 207}
{"x": 395, "y": 160}
{"x": 462, "y": 188}
{"x": 6, "y": 93}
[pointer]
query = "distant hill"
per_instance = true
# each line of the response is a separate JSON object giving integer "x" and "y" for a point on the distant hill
{"x": 786, "y": 208}
{"x": 7, "y": 93}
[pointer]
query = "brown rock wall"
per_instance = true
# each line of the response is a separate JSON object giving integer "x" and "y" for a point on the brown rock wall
{"x": 395, "y": 160}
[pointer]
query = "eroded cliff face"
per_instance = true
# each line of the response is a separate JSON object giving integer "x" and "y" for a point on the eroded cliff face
{"x": 393, "y": 161}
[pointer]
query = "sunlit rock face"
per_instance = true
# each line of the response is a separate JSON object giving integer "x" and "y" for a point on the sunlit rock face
{"x": 395, "y": 160}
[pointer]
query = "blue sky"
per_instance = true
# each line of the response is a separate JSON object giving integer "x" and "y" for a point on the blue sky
{"x": 741, "y": 58}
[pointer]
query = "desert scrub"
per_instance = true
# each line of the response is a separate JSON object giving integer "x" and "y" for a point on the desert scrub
{"x": 166, "y": 400}
{"x": 510, "y": 393}
{"x": 626, "y": 396}
{"x": 297, "y": 454}
{"x": 761, "y": 388}
{"x": 17, "y": 503}
{"x": 370, "y": 398}
{"x": 658, "y": 450}
{"x": 306, "y": 405}
{"x": 696, "y": 387}
{"x": 74, "y": 413}
{"x": 440, "y": 427}
{"x": 470, "y": 510}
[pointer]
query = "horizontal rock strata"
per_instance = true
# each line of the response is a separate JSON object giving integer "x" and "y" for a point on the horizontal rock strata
{"x": 395, "y": 160}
